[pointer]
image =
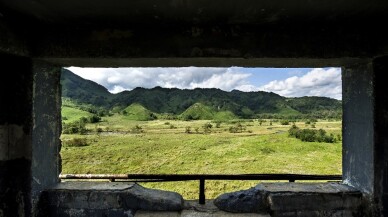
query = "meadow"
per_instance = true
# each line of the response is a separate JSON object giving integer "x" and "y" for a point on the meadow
{"x": 117, "y": 145}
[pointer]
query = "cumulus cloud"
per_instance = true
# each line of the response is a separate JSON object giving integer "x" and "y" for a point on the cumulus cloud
{"x": 119, "y": 79}
{"x": 317, "y": 82}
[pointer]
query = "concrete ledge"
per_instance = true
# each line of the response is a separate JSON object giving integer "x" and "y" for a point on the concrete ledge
{"x": 195, "y": 213}
{"x": 97, "y": 198}
{"x": 294, "y": 199}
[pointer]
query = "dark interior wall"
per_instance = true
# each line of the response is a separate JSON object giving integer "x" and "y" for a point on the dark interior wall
{"x": 358, "y": 126}
{"x": 15, "y": 135}
{"x": 380, "y": 68}
{"x": 46, "y": 143}
{"x": 365, "y": 135}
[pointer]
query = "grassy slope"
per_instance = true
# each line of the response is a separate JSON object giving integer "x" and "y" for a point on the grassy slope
{"x": 137, "y": 112}
{"x": 73, "y": 114}
{"x": 198, "y": 111}
{"x": 160, "y": 149}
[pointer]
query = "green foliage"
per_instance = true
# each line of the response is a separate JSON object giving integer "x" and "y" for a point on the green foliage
{"x": 94, "y": 119}
{"x": 137, "y": 129}
{"x": 138, "y": 112}
{"x": 309, "y": 135}
{"x": 75, "y": 142}
{"x": 160, "y": 150}
{"x": 207, "y": 127}
{"x": 238, "y": 128}
{"x": 73, "y": 114}
{"x": 99, "y": 130}
{"x": 198, "y": 111}
{"x": 168, "y": 103}
{"x": 284, "y": 122}
{"x": 84, "y": 91}
{"x": 224, "y": 116}
{"x": 76, "y": 127}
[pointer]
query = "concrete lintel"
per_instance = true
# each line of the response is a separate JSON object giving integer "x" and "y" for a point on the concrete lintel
{"x": 206, "y": 62}
{"x": 11, "y": 42}
{"x": 192, "y": 41}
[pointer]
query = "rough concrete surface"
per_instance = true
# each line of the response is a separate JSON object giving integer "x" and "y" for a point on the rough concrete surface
{"x": 98, "y": 197}
{"x": 283, "y": 198}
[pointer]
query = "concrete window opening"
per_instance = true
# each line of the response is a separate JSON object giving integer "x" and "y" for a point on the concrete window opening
{"x": 195, "y": 120}
{"x": 276, "y": 199}
{"x": 39, "y": 38}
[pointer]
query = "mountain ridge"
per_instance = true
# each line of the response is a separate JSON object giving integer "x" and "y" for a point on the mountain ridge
{"x": 176, "y": 101}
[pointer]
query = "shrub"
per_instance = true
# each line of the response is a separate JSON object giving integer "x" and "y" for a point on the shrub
{"x": 284, "y": 122}
{"x": 188, "y": 129}
{"x": 137, "y": 129}
{"x": 99, "y": 130}
{"x": 75, "y": 142}
{"x": 238, "y": 128}
{"x": 207, "y": 127}
{"x": 310, "y": 135}
{"x": 77, "y": 127}
{"x": 94, "y": 119}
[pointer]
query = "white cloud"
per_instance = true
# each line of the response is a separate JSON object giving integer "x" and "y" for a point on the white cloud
{"x": 317, "y": 82}
{"x": 119, "y": 79}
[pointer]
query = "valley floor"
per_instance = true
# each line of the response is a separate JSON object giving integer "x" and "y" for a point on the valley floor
{"x": 117, "y": 146}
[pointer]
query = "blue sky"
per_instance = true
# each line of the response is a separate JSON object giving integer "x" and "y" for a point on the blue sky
{"x": 289, "y": 82}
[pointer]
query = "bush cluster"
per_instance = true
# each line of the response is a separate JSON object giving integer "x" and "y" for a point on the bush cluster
{"x": 77, "y": 127}
{"x": 310, "y": 135}
{"x": 137, "y": 129}
{"x": 238, "y": 128}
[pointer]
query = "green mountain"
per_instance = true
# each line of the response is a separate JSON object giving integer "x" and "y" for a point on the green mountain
{"x": 199, "y": 103}
{"x": 138, "y": 113}
{"x": 82, "y": 90}
{"x": 198, "y": 111}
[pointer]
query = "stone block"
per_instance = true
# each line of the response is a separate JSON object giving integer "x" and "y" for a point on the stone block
{"x": 100, "y": 195}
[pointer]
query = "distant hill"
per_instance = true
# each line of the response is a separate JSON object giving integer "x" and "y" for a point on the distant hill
{"x": 199, "y": 103}
{"x": 198, "y": 111}
{"x": 84, "y": 91}
{"x": 138, "y": 113}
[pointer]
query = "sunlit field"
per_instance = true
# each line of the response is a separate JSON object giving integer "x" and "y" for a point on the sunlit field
{"x": 117, "y": 145}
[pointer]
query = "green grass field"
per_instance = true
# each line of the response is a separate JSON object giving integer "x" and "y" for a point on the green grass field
{"x": 165, "y": 148}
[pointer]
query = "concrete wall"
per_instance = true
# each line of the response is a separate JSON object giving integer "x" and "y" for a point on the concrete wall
{"x": 380, "y": 163}
{"x": 46, "y": 129}
{"x": 358, "y": 126}
{"x": 365, "y": 135}
{"x": 15, "y": 136}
